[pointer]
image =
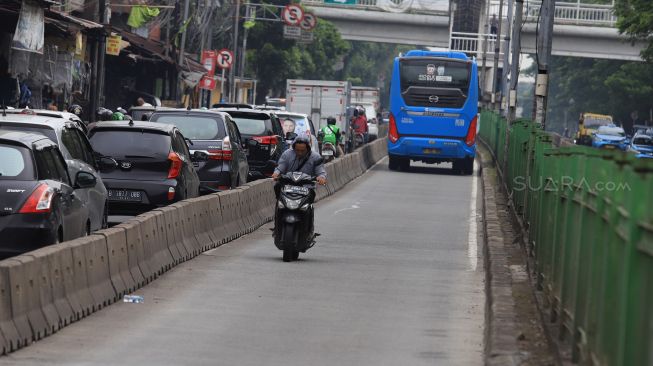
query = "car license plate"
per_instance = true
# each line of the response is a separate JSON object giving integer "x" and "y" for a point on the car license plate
{"x": 125, "y": 195}
{"x": 327, "y": 152}
{"x": 431, "y": 151}
{"x": 610, "y": 147}
{"x": 296, "y": 189}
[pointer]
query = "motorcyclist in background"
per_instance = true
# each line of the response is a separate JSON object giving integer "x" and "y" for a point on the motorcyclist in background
{"x": 332, "y": 135}
{"x": 360, "y": 122}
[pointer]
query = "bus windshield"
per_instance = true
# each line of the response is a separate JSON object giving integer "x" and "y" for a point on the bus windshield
{"x": 434, "y": 73}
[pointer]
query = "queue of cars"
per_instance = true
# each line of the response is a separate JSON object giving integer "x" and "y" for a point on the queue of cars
{"x": 599, "y": 131}
{"x": 61, "y": 179}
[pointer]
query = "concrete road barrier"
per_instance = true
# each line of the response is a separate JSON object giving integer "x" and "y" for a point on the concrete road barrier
{"x": 121, "y": 277}
{"x": 139, "y": 263}
{"x": 74, "y": 281}
{"x": 26, "y": 299}
{"x": 44, "y": 290}
{"x": 54, "y": 272}
{"x": 173, "y": 233}
{"x": 216, "y": 220}
{"x": 9, "y": 334}
{"x": 97, "y": 270}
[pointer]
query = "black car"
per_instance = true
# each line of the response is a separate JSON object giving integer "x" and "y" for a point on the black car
{"x": 39, "y": 202}
{"x": 215, "y": 134}
{"x": 154, "y": 165}
{"x": 76, "y": 151}
{"x": 263, "y": 133}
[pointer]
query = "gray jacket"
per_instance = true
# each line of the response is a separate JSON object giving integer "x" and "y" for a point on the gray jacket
{"x": 290, "y": 162}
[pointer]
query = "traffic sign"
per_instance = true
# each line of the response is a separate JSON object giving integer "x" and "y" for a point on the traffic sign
{"x": 225, "y": 58}
{"x": 309, "y": 22}
{"x": 292, "y": 14}
{"x": 207, "y": 83}
{"x": 208, "y": 60}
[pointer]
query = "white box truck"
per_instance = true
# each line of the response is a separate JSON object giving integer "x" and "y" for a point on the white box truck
{"x": 366, "y": 95}
{"x": 319, "y": 99}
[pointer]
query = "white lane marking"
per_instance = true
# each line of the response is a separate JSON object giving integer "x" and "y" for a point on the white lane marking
{"x": 353, "y": 207}
{"x": 472, "y": 242}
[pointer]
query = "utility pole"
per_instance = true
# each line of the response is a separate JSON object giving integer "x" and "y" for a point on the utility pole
{"x": 516, "y": 52}
{"x": 182, "y": 48}
{"x": 232, "y": 70}
{"x": 506, "y": 59}
{"x": 544, "y": 42}
{"x": 243, "y": 51}
{"x": 497, "y": 49}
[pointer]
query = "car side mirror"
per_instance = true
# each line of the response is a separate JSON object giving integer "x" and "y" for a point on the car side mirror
{"x": 85, "y": 180}
{"x": 106, "y": 163}
{"x": 189, "y": 142}
{"x": 291, "y": 136}
{"x": 199, "y": 156}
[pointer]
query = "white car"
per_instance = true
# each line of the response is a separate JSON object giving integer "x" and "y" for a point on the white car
{"x": 303, "y": 126}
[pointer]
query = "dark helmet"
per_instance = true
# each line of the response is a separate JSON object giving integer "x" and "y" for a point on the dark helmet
{"x": 331, "y": 121}
{"x": 76, "y": 109}
{"x": 104, "y": 114}
{"x": 302, "y": 140}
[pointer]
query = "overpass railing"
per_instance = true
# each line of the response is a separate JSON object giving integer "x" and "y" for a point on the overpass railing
{"x": 473, "y": 43}
{"x": 574, "y": 13}
{"x": 589, "y": 224}
{"x": 436, "y": 7}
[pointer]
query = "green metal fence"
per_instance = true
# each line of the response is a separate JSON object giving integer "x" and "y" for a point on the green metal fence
{"x": 589, "y": 215}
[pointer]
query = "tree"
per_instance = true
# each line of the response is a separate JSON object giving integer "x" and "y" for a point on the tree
{"x": 635, "y": 19}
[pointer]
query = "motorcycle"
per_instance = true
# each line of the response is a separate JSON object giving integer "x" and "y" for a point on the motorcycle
{"x": 327, "y": 149}
{"x": 293, "y": 219}
{"x": 359, "y": 140}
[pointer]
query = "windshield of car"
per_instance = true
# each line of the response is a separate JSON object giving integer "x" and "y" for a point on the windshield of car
{"x": 16, "y": 163}
{"x": 643, "y": 141}
{"x": 121, "y": 143}
{"x": 193, "y": 127}
{"x": 252, "y": 124}
{"x": 302, "y": 127}
{"x": 41, "y": 130}
{"x": 611, "y": 131}
{"x": 591, "y": 122}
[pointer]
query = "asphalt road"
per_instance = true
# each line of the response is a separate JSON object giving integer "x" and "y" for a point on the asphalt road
{"x": 395, "y": 279}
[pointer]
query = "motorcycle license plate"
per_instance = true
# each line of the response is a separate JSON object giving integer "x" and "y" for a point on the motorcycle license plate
{"x": 296, "y": 189}
{"x": 327, "y": 152}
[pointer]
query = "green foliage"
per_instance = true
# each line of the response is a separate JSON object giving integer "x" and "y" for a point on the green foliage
{"x": 601, "y": 86}
{"x": 635, "y": 18}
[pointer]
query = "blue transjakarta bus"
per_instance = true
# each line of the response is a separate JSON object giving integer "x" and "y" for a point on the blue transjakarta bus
{"x": 433, "y": 110}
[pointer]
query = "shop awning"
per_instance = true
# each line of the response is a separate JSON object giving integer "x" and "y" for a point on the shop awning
{"x": 154, "y": 49}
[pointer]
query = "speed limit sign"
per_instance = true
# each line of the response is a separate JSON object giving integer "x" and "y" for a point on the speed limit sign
{"x": 292, "y": 14}
{"x": 309, "y": 22}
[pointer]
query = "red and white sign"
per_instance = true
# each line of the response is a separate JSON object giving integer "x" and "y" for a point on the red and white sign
{"x": 207, "y": 83}
{"x": 292, "y": 14}
{"x": 308, "y": 22}
{"x": 225, "y": 58}
{"x": 208, "y": 61}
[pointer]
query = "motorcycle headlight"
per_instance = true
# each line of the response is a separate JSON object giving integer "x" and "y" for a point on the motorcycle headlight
{"x": 292, "y": 204}
{"x": 305, "y": 207}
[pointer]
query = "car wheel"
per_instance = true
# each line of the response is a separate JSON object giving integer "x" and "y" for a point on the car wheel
{"x": 59, "y": 238}
{"x": 87, "y": 230}
{"x": 393, "y": 163}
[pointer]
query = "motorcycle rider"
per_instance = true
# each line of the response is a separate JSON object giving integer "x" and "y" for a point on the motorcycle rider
{"x": 332, "y": 135}
{"x": 300, "y": 159}
{"x": 359, "y": 123}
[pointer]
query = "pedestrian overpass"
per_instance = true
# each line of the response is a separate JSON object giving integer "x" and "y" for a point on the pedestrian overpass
{"x": 580, "y": 30}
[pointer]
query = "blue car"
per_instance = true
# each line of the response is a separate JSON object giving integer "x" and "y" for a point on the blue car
{"x": 642, "y": 145}
{"x": 610, "y": 137}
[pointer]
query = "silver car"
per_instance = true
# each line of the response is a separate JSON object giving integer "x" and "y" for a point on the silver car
{"x": 77, "y": 152}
